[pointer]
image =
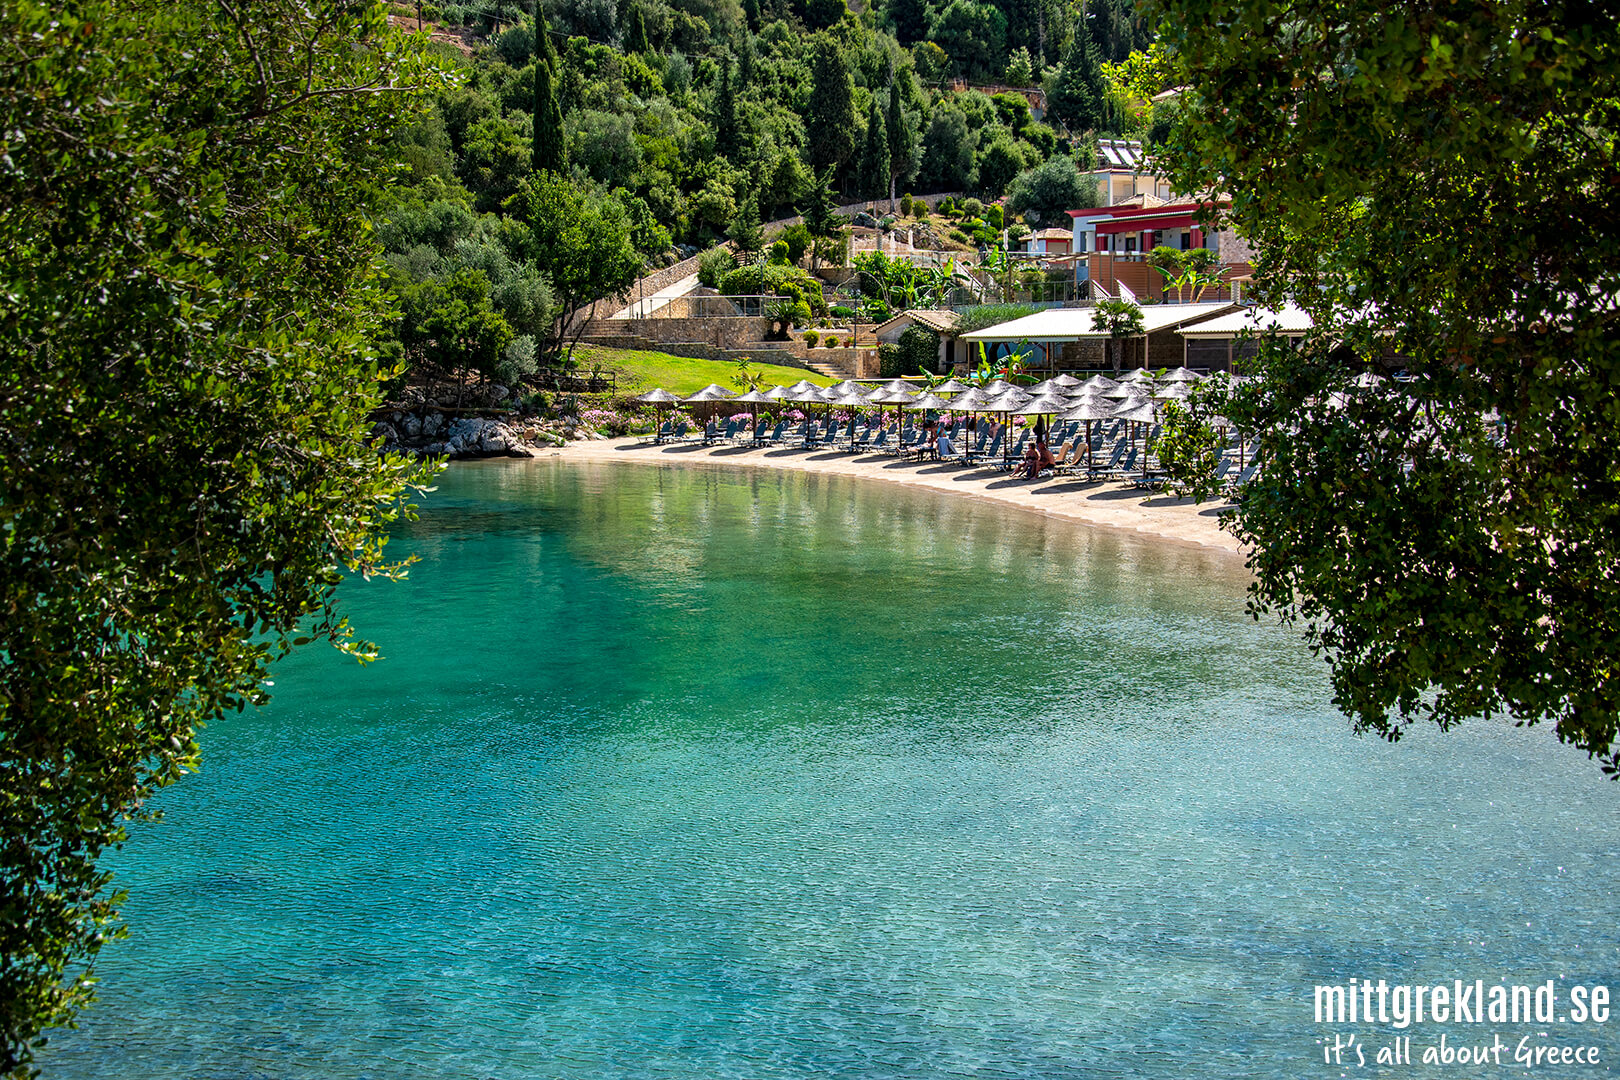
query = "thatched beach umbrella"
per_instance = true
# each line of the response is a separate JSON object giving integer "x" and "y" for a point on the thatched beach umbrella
{"x": 1065, "y": 380}
{"x": 712, "y": 392}
{"x": 777, "y": 393}
{"x": 1176, "y": 391}
{"x": 951, "y": 387}
{"x": 1089, "y": 408}
{"x": 658, "y": 396}
{"x": 1139, "y": 412}
{"x": 1180, "y": 375}
{"x": 1044, "y": 405}
{"x": 1137, "y": 375}
{"x": 1098, "y": 382}
{"x": 930, "y": 402}
{"x": 1006, "y": 403}
{"x": 898, "y": 398}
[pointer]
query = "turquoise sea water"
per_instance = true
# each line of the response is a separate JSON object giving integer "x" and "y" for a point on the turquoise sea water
{"x": 696, "y": 773}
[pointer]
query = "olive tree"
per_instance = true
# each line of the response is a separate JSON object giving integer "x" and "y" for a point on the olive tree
{"x": 186, "y": 373}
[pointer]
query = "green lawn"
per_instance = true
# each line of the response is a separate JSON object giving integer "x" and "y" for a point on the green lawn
{"x": 639, "y": 371}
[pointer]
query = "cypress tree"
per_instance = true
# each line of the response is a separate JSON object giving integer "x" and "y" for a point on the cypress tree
{"x": 725, "y": 111}
{"x": 830, "y": 122}
{"x": 901, "y": 143}
{"x": 873, "y": 170}
{"x": 1078, "y": 97}
{"x": 550, "y": 153}
{"x": 635, "y": 38}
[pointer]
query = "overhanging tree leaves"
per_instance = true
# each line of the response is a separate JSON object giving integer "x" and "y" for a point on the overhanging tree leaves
{"x": 1434, "y": 182}
{"x": 186, "y": 371}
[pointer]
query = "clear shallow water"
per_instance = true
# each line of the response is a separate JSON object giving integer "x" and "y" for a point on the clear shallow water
{"x": 707, "y": 774}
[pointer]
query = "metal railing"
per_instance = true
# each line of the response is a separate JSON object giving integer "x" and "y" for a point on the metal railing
{"x": 703, "y": 307}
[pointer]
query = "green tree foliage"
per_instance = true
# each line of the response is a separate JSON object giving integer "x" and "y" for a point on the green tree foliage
{"x": 582, "y": 244}
{"x": 872, "y": 172}
{"x": 1020, "y": 68}
{"x": 451, "y": 324}
{"x": 714, "y": 265}
{"x": 746, "y": 232}
{"x": 1428, "y": 182}
{"x": 973, "y": 35}
{"x": 830, "y": 122}
{"x": 186, "y": 371}
{"x": 549, "y": 149}
{"x": 1001, "y": 161}
{"x": 726, "y": 133}
{"x": 901, "y": 134}
{"x": 1076, "y": 94}
{"x": 948, "y": 153}
{"x": 635, "y": 38}
{"x": 1047, "y": 192}
{"x": 908, "y": 19}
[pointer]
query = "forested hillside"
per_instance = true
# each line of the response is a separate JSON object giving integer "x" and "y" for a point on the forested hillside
{"x": 666, "y": 125}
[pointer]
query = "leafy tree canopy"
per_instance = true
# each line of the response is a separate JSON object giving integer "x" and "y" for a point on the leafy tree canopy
{"x": 186, "y": 370}
{"x": 1430, "y": 183}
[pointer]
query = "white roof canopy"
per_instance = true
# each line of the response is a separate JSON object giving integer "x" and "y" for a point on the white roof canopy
{"x": 1074, "y": 324}
{"x": 1288, "y": 320}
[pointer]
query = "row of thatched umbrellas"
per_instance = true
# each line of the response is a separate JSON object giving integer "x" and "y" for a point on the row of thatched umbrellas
{"x": 1098, "y": 398}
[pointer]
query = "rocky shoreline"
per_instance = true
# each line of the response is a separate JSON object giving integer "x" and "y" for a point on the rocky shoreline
{"x": 481, "y": 428}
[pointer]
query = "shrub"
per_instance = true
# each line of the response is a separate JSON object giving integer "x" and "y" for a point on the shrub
{"x": 888, "y": 361}
{"x": 995, "y": 217}
{"x": 842, "y": 312}
{"x": 811, "y": 337}
{"x": 779, "y": 253}
{"x": 797, "y": 238}
{"x": 714, "y": 265}
{"x": 831, "y": 342}
{"x": 918, "y": 351}
{"x": 920, "y": 208}
{"x": 959, "y": 236}
{"x": 905, "y": 205}
{"x": 972, "y": 208}
{"x": 947, "y": 206}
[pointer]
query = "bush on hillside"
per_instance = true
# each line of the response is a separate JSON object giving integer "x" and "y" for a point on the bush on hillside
{"x": 714, "y": 265}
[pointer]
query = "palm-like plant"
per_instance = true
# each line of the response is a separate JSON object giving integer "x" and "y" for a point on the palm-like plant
{"x": 1119, "y": 319}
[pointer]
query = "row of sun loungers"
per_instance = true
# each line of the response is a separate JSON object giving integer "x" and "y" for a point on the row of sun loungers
{"x": 1127, "y": 459}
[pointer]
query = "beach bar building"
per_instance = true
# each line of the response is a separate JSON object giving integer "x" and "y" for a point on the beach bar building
{"x": 1214, "y": 344}
{"x": 1064, "y": 339}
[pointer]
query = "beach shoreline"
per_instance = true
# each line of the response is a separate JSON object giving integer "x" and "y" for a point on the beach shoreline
{"x": 1113, "y": 506}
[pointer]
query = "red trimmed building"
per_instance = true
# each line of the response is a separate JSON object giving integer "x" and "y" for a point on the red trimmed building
{"x": 1112, "y": 242}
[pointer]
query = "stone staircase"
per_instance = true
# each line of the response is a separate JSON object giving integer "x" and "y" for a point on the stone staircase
{"x": 831, "y": 367}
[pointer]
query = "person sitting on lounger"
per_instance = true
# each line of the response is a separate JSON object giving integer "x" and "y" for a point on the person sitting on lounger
{"x": 1047, "y": 460}
{"x": 1032, "y": 463}
{"x": 943, "y": 448}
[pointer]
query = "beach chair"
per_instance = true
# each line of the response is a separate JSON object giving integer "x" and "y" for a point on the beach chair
{"x": 862, "y": 441}
{"x": 776, "y": 434}
{"x": 989, "y": 455}
{"x": 679, "y": 434}
{"x": 711, "y": 432}
{"x": 662, "y": 435}
{"x": 882, "y": 440}
{"x": 1235, "y": 487}
{"x": 1124, "y": 468}
{"x": 1104, "y": 467}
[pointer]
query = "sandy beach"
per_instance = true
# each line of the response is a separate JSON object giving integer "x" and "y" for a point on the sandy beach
{"x": 1103, "y": 505}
